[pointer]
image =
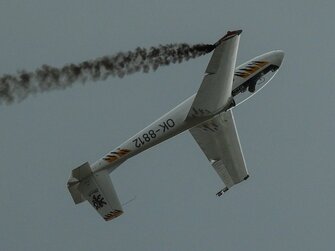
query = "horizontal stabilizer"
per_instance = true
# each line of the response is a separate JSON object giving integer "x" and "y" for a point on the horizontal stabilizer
{"x": 97, "y": 189}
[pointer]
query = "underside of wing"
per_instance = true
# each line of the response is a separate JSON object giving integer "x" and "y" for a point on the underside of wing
{"x": 219, "y": 140}
{"x": 215, "y": 91}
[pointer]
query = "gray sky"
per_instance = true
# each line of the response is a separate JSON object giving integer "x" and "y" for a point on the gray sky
{"x": 286, "y": 130}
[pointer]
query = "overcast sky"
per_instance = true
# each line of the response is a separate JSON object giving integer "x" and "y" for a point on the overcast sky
{"x": 286, "y": 130}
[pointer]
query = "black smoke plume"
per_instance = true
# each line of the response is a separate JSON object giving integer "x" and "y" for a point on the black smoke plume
{"x": 17, "y": 87}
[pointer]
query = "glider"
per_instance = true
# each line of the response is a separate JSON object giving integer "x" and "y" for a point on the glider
{"x": 208, "y": 115}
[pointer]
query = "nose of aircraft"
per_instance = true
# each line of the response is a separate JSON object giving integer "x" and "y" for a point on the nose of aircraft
{"x": 277, "y": 57}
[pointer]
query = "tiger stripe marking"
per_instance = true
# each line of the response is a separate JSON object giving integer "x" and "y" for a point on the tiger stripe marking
{"x": 113, "y": 215}
{"x": 250, "y": 68}
{"x": 122, "y": 152}
{"x": 112, "y": 156}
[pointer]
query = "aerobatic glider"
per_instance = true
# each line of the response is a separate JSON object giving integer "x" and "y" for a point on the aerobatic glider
{"x": 208, "y": 115}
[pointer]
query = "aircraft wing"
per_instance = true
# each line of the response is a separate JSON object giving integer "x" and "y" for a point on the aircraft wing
{"x": 215, "y": 91}
{"x": 219, "y": 140}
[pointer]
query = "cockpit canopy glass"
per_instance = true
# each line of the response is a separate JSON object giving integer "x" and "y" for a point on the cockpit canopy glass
{"x": 249, "y": 87}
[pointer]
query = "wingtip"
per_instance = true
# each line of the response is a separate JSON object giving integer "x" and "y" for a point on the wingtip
{"x": 229, "y": 35}
{"x": 235, "y": 32}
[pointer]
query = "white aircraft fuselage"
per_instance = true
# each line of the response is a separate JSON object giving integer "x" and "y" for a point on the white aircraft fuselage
{"x": 167, "y": 126}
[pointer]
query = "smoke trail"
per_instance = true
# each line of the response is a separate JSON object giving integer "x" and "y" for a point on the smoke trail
{"x": 18, "y": 87}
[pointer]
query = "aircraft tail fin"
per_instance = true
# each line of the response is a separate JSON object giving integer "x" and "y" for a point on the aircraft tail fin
{"x": 97, "y": 189}
{"x": 78, "y": 174}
